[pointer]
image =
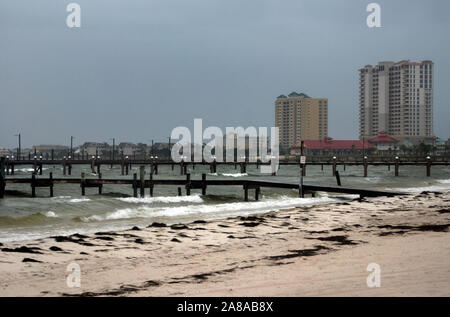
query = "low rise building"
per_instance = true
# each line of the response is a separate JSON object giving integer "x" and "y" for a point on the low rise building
{"x": 5, "y": 152}
{"x": 328, "y": 146}
{"x": 95, "y": 148}
{"x": 385, "y": 144}
{"x": 127, "y": 148}
{"x": 48, "y": 150}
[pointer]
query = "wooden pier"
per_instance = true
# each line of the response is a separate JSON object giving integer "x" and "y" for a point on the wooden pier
{"x": 125, "y": 164}
{"x": 140, "y": 183}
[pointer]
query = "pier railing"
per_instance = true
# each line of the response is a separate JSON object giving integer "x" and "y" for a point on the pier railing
{"x": 125, "y": 164}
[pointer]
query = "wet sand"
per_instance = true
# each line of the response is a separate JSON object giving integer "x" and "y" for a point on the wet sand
{"x": 318, "y": 251}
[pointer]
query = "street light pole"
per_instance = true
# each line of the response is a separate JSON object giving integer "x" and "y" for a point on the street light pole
{"x": 111, "y": 156}
{"x": 153, "y": 153}
{"x": 19, "y": 150}
{"x": 364, "y": 146}
{"x": 169, "y": 148}
{"x": 71, "y": 146}
{"x": 113, "y": 150}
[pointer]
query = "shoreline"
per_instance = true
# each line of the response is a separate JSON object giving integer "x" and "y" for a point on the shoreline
{"x": 316, "y": 251}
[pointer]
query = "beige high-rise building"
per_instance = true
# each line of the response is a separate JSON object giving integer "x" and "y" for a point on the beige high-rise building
{"x": 397, "y": 98}
{"x": 300, "y": 117}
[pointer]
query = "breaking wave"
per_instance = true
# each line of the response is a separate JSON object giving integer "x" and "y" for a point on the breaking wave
{"x": 29, "y": 220}
{"x": 163, "y": 199}
{"x": 234, "y": 174}
{"x": 224, "y": 210}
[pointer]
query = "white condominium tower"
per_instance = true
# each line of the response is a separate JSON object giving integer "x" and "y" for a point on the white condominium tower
{"x": 397, "y": 98}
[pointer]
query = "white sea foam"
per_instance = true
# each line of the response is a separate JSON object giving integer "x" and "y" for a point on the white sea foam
{"x": 163, "y": 199}
{"x": 51, "y": 214}
{"x": 443, "y": 186}
{"x": 234, "y": 174}
{"x": 29, "y": 169}
{"x": 79, "y": 200}
{"x": 224, "y": 210}
{"x": 443, "y": 181}
{"x": 69, "y": 199}
{"x": 374, "y": 179}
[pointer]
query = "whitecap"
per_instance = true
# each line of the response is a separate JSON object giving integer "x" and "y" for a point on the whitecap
{"x": 79, "y": 200}
{"x": 234, "y": 174}
{"x": 163, "y": 199}
{"x": 51, "y": 214}
{"x": 224, "y": 210}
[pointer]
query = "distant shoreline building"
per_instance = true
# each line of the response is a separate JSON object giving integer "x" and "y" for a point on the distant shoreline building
{"x": 328, "y": 146}
{"x": 397, "y": 98}
{"x": 47, "y": 150}
{"x": 300, "y": 117}
{"x": 381, "y": 144}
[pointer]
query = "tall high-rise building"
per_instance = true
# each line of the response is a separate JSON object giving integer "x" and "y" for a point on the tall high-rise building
{"x": 300, "y": 117}
{"x": 396, "y": 98}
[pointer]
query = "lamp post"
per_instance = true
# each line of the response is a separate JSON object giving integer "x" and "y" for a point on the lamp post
{"x": 19, "y": 150}
{"x": 170, "y": 153}
{"x": 364, "y": 146}
{"x": 114, "y": 147}
{"x": 113, "y": 150}
{"x": 153, "y": 152}
{"x": 71, "y": 145}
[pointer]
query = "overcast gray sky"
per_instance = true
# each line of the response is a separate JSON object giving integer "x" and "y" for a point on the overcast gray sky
{"x": 137, "y": 69}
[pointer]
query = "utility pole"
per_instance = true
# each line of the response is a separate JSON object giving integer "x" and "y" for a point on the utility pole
{"x": 364, "y": 146}
{"x": 19, "y": 150}
{"x": 71, "y": 146}
{"x": 302, "y": 193}
{"x": 112, "y": 153}
{"x": 153, "y": 152}
{"x": 170, "y": 152}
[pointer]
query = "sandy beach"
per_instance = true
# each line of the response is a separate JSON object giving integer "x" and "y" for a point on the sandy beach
{"x": 286, "y": 253}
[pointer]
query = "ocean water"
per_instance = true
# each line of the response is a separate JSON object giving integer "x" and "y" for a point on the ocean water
{"x": 25, "y": 218}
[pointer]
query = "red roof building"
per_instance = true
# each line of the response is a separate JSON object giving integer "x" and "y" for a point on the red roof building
{"x": 383, "y": 137}
{"x": 330, "y": 146}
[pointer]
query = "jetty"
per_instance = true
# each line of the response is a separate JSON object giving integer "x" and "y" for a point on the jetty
{"x": 125, "y": 163}
{"x": 139, "y": 184}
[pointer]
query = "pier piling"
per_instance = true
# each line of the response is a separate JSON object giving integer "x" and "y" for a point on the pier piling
{"x": 33, "y": 185}
{"x": 2, "y": 177}
{"x": 142, "y": 181}
{"x": 100, "y": 186}
{"x": 365, "y": 167}
{"x": 396, "y": 166}
{"x": 338, "y": 178}
{"x": 203, "y": 184}
{"x": 135, "y": 185}
{"x": 51, "y": 184}
{"x": 334, "y": 166}
{"x": 257, "y": 192}
{"x": 151, "y": 185}
{"x": 83, "y": 184}
{"x": 188, "y": 184}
